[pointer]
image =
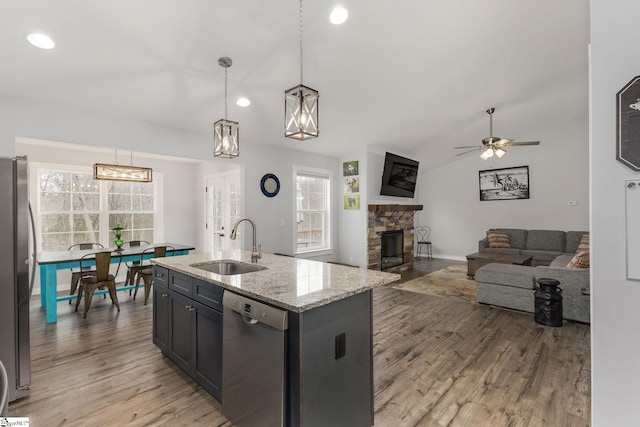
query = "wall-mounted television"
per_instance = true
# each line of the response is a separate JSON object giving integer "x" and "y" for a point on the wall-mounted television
{"x": 399, "y": 176}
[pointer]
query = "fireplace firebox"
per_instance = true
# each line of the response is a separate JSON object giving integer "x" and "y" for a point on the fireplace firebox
{"x": 392, "y": 250}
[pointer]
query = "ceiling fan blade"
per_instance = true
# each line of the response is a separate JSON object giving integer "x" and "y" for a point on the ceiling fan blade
{"x": 503, "y": 142}
{"x": 470, "y": 146}
{"x": 468, "y": 151}
{"x": 514, "y": 143}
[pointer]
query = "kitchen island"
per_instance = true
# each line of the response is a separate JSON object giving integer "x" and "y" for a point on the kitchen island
{"x": 328, "y": 353}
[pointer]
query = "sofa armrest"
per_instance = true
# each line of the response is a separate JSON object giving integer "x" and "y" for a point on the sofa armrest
{"x": 573, "y": 280}
{"x": 573, "y": 284}
{"x": 483, "y": 244}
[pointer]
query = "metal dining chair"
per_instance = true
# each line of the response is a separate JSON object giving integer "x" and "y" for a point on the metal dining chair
{"x": 146, "y": 274}
{"x": 423, "y": 232}
{"x": 76, "y": 273}
{"x": 101, "y": 279}
{"x": 134, "y": 267}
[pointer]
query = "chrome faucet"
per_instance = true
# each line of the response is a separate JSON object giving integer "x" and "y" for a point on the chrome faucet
{"x": 255, "y": 249}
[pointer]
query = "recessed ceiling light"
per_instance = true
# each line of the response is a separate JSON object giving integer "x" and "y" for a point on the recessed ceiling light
{"x": 41, "y": 40}
{"x": 338, "y": 15}
{"x": 243, "y": 102}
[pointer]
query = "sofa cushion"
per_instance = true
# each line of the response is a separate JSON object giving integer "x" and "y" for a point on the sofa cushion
{"x": 579, "y": 260}
{"x": 573, "y": 240}
{"x": 546, "y": 240}
{"x": 517, "y": 236}
{"x": 516, "y": 276}
{"x": 541, "y": 257}
{"x": 561, "y": 261}
{"x": 498, "y": 239}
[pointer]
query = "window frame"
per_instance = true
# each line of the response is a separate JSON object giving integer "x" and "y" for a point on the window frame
{"x": 327, "y": 249}
{"x": 104, "y": 232}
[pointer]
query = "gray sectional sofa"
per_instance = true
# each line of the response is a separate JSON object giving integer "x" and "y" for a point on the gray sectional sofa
{"x": 513, "y": 286}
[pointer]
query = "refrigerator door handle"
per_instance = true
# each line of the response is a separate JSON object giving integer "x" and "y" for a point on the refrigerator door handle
{"x": 32, "y": 277}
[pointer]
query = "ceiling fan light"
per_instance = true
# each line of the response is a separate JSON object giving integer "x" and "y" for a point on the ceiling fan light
{"x": 500, "y": 152}
{"x": 486, "y": 154}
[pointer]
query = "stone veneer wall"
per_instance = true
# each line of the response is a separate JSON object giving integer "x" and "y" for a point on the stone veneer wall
{"x": 387, "y": 218}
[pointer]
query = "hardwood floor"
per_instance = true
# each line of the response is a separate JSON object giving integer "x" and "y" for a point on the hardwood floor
{"x": 438, "y": 362}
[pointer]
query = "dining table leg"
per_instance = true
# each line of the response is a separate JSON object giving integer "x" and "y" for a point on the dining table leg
{"x": 48, "y": 292}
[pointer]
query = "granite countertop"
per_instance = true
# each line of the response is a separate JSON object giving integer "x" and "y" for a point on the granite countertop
{"x": 291, "y": 283}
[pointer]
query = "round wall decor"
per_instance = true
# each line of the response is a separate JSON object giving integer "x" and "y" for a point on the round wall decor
{"x": 270, "y": 185}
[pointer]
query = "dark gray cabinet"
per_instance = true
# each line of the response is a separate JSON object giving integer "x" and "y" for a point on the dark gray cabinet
{"x": 189, "y": 321}
{"x": 160, "y": 308}
{"x": 161, "y": 317}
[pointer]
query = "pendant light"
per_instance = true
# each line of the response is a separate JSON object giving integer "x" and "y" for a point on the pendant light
{"x": 116, "y": 172}
{"x": 301, "y": 106}
{"x": 226, "y": 134}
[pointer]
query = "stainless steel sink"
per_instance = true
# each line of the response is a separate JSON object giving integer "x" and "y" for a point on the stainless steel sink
{"x": 228, "y": 267}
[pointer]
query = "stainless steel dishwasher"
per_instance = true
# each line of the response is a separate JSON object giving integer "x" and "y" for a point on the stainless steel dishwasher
{"x": 253, "y": 362}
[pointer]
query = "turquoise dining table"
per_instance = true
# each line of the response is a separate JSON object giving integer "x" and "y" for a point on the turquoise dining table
{"x": 51, "y": 262}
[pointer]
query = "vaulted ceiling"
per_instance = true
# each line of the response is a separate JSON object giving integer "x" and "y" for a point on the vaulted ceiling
{"x": 412, "y": 74}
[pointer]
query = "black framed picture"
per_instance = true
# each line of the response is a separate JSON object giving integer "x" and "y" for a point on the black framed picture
{"x": 628, "y": 124}
{"x": 504, "y": 184}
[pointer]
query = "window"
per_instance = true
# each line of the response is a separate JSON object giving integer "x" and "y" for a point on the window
{"x": 130, "y": 204}
{"x": 75, "y": 208}
{"x": 313, "y": 209}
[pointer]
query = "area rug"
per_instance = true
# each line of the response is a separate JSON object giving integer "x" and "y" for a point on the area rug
{"x": 447, "y": 282}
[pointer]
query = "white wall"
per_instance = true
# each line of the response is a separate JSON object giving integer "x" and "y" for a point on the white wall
{"x": 269, "y": 213}
{"x": 352, "y": 231}
{"x": 175, "y": 177}
{"x": 24, "y": 118}
{"x": 615, "y": 328}
{"x": 558, "y": 173}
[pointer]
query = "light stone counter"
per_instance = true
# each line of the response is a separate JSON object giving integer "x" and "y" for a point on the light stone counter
{"x": 294, "y": 284}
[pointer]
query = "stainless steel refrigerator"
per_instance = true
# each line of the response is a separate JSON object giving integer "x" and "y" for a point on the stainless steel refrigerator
{"x": 15, "y": 286}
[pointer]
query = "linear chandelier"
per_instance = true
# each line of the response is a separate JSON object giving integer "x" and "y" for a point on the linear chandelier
{"x": 226, "y": 134}
{"x": 301, "y": 106}
{"x": 116, "y": 172}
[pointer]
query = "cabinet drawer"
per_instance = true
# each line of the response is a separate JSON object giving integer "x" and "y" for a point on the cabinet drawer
{"x": 208, "y": 294}
{"x": 181, "y": 283}
{"x": 160, "y": 275}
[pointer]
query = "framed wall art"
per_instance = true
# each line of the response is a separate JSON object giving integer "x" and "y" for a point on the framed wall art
{"x": 352, "y": 202}
{"x": 350, "y": 168}
{"x": 504, "y": 184}
{"x": 628, "y": 124}
{"x": 351, "y": 184}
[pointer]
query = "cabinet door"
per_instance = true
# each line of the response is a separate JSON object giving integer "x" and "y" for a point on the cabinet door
{"x": 161, "y": 316}
{"x": 207, "y": 340}
{"x": 181, "y": 311}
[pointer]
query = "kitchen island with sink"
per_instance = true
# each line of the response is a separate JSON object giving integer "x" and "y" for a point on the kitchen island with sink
{"x": 325, "y": 364}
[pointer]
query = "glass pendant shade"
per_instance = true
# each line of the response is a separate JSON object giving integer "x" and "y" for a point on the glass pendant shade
{"x": 122, "y": 173}
{"x": 500, "y": 152}
{"x": 301, "y": 112}
{"x": 226, "y": 134}
{"x": 486, "y": 154}
{"x": 226, "y": 139}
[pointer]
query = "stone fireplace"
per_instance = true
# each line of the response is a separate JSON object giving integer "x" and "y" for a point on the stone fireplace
{"x": 389, "y": 220}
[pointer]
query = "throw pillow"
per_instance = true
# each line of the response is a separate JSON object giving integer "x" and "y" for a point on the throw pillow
{"x": 579, "y": 260}
{"x": 498, "y": 239}
{"x": 584, "y": 243}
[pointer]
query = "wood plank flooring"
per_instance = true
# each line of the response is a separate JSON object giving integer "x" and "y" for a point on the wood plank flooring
{"x": 438, "y": 362}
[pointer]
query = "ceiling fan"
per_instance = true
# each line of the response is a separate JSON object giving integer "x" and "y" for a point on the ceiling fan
{"x": 494, "y": 144}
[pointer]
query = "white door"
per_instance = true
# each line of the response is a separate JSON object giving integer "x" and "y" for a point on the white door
{"x": 223, "y": 209}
